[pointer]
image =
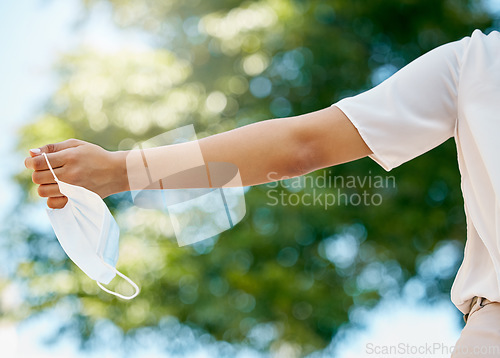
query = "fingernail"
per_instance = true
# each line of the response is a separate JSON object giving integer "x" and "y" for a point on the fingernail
{"x": 35, "y": 151}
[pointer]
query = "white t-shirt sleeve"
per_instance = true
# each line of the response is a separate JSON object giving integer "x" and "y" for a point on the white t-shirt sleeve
{"x": 413, "y": 111}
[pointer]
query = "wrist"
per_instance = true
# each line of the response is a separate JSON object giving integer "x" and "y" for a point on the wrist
{"x": 120, "y": 180}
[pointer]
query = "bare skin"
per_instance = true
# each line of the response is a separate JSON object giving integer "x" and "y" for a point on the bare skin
{"x": 286, "y": 147}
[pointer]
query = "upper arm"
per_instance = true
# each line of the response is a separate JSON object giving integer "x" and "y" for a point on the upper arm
{"x": 327, "y": 137}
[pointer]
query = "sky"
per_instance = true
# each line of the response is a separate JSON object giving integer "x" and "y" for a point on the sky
{"x": 33, "y": 34}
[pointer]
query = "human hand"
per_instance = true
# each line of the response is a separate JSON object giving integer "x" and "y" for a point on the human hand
{"x": 79, "y": 163}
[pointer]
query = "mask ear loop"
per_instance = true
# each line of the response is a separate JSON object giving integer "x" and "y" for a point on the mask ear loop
{"x": 132, "y": 283}
{"x": 50, "y": 167}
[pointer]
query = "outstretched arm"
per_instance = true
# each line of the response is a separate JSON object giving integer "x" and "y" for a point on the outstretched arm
{"x": 286, "y": 147}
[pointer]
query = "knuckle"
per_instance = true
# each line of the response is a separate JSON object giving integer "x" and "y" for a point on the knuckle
{"x": 77, "y": 175}
{"x": 50, "y": 148}
{"x": 72, "y": 176}
{"x": 67, "y": 176}
{"x": 69, "y": 156}
{"x": 37, "y": 163}
{"x": 35, "y": 177}
{"x": 48, "y": 191}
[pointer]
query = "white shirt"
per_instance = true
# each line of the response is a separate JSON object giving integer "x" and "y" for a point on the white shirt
{"x": 451, "y": 91}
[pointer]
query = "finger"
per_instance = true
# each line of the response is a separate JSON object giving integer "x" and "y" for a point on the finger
{"x": 49, "y": 190}
{"x": 35, "y": 152}
{"x": 45, "y": 176}
{"x": 57, "y": 203}
{"x": 38, "y": 162}
{"x": 56, "y": 147}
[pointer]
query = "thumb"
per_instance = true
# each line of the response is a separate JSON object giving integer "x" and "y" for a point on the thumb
{"x": 55, "y": 147}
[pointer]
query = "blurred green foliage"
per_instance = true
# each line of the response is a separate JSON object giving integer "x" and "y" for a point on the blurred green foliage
{"x": 301, "y": 270}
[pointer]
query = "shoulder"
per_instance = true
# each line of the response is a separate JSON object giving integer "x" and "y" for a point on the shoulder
{"x": 482, "y": 53}
{"x": 487, "y": 42}
{"x": 479, "y": 35}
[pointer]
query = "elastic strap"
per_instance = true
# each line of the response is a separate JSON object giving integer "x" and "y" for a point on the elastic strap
{"x": 132, "y": 283}
{"x": 50, "y": 167}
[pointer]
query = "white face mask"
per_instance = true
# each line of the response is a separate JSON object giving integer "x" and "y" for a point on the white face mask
{"x": 88, "y": 233}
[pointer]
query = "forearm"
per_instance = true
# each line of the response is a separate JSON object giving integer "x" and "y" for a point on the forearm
{"x": 262, "y": 152}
